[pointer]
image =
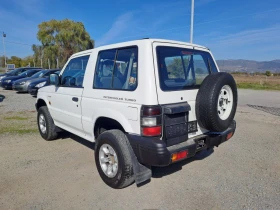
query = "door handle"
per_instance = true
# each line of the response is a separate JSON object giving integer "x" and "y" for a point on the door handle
{"x": 75, "y": 99}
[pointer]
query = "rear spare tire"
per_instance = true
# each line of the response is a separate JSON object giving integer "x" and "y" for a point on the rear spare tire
{"x": 216, "y": 102}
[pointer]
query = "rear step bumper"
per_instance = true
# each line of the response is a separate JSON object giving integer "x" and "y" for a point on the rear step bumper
{"x": 153, "y": 151}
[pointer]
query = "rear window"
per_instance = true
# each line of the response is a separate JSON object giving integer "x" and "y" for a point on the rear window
{"x": 181, "y": 68}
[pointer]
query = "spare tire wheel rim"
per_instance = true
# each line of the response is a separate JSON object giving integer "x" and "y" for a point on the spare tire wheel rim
{"x": 225, "y": 102}
{"x": 108, "y": 160}
{"x": 42, "y": 123}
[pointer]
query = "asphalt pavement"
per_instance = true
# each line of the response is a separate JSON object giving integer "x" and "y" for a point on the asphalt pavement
{"x": 242, "y": 173}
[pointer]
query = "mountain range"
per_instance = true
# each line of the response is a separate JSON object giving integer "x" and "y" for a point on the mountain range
{"x": 249, "y": 66}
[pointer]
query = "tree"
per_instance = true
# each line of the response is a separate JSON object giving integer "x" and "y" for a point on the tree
{"x": 2, "y": 61}
{"x": 15, "y": 60}
{"x": 268, "y": 73}
{"x": 176, "y": 68}
{"x": 38, "y": 54}
{"x": 27, "y": 60}
{"x": 61, "y": 39}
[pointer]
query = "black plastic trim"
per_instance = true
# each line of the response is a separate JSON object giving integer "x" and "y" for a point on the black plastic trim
{"x": 176, "y": 108}
{"x": 152, "y": 151}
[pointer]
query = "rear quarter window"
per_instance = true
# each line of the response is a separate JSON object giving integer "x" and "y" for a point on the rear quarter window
{"x": 181, "y": 68}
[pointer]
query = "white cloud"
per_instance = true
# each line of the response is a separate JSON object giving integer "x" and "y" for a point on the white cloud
{"x": 119, "y": 26}
{"x": 253, "y": 36}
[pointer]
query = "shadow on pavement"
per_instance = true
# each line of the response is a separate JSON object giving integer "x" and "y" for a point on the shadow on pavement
{"x": 2, "y": 97}
{"x": 88, "y": 144}
{"x": 158, "y": 172}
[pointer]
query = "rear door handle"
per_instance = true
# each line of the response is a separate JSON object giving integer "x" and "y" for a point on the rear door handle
{"x": 75, "y": 99}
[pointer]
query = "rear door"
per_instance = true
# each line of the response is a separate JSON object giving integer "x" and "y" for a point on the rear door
{"x": 179, "y": 70}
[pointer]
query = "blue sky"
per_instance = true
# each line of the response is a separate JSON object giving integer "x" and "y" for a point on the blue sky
{"x": 231, "y": 29}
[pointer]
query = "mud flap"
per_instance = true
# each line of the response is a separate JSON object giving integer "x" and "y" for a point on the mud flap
{"x": 141, "y": 173}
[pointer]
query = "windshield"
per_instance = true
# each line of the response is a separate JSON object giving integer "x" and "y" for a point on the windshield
{"x": 28, "y": 73}
{"x": 181, "y": 68}
{"x": 13, "y": 72}
{"x": 23, "y": 74}
{"x": 39, "y": 74}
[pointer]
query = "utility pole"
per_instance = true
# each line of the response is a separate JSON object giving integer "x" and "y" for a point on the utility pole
{"x": 192, "y": 19}
{"x": 42, "y": 55}
{"x": 57, "y": 66}
{"x": 4, "y": 35}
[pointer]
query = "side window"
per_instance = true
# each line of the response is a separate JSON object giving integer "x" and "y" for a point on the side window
{"x": 175, "y": 68}
{"x": 73, "y": 74}
{"x": 212, "y": 64}
{"x": 200, "y": 68}
{"x": 104, "y": 70}
{"x": 117, "y": 69}
{"x": 46, "y": 74}
{"x": 30, "y": 73}
{"x": 125, "y": 71}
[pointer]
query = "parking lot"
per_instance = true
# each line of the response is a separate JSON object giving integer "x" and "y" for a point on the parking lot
{"x": 243, "y": 173}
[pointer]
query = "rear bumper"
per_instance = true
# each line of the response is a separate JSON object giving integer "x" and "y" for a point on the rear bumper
{"x": 153, "y": 151}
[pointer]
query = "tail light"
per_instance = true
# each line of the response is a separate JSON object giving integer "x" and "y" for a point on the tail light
{"x": 229, "y": 135}
{"x": 151, "y": 121}
{"x": 179, "y": 155}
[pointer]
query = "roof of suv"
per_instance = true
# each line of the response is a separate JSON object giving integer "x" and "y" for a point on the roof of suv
{"x": 148, "y": 41}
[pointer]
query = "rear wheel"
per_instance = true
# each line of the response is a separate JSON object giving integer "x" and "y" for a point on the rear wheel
{"x": 113, "y": 159}
{"x": 46, "y": 125}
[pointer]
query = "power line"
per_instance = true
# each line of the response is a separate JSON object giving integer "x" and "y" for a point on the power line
{"x": 18, "y": 43}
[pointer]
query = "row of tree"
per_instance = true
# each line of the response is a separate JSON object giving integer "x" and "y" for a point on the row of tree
{"x": 266, "y": 73}
{"x": 59, "y": 40}
{"x": 17, "y": 61}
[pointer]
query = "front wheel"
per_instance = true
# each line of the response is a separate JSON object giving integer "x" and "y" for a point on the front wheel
{"x": 113, "y": 159}
{"x": 46, "y": 125}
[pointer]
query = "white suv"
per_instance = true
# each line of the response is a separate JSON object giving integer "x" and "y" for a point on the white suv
{"x": 144, "y": 103}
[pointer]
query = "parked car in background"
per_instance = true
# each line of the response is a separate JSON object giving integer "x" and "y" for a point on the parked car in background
{"x": 21, "y": 85}
{"x": 7, "y": 82}
{"x": 16, "y": 72}
{"x": 36, "y": 84}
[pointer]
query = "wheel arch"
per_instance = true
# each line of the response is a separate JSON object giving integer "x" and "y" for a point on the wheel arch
{"x": 115, "y": 117}
{"x": 40, "y": 102}
{"x": 104, "y": 123}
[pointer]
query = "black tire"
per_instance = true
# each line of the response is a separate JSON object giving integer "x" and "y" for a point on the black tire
{"x": 119, "y": 142}
{"x": 50, "y": 133}
{"x": 207, "y": 102}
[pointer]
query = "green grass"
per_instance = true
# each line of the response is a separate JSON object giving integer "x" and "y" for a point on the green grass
{"x": 255, "y": 86}
{"x": 15, "y": 118}
{"x": 14, "y": 130}
{"x": 18, "y": 123}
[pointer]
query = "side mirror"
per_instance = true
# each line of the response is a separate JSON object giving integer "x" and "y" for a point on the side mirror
{"x": 54, "y": 79}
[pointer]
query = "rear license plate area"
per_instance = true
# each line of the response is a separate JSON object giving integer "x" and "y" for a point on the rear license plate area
{"x": 175, "y": 128}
